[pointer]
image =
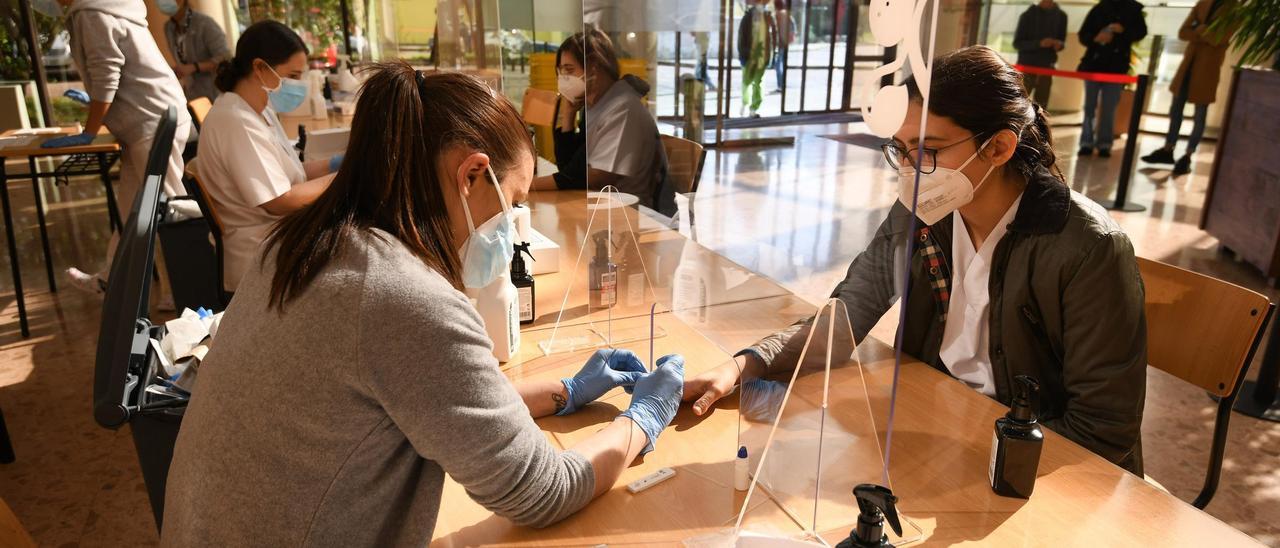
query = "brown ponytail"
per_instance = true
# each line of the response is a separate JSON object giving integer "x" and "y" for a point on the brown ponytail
{"x": 981, "y": 92}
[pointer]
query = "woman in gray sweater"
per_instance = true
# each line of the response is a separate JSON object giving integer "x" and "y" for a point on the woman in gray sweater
{"x": 350, "y": 372}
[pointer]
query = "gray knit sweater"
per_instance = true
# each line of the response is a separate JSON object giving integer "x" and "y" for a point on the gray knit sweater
{"x": 334, "y": 422}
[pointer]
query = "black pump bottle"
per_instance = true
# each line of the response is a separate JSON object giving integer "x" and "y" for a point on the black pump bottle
{"x": 1015, "y": 449}
{"x": 875, "y": 504}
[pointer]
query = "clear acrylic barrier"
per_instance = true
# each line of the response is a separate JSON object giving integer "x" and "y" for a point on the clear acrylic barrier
{"x": 810, "y": 435}
{"x": 615, "y": 283}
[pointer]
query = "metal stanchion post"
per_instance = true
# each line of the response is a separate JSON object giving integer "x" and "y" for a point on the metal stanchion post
{"x": 1258, "y": 397}
{"x": 1131, "y": 149}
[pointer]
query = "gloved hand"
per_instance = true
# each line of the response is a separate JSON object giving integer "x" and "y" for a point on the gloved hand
{"x": 656, "y": 397}
{"x": 79, "y": 139}
{"x": 335, "y": 162}
{"x": 761, "y": 400}
{"x": 77, "y": 95}
{"x": 605, "y": 370}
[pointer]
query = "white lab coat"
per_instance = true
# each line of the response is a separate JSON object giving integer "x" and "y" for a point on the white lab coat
{"x": 245, "y": 160}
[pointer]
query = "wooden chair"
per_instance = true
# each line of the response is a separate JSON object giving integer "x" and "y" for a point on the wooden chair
{"x": 539, "y": 107}
{"x": 12, "y": 533}
{"x": 1205, "y": 332}
{"x": 196, "y": 191}
{"x": 199, "y": 109}
{"x": 684, "y": 163}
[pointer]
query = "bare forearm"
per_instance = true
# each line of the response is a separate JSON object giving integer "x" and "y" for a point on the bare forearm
{"x": 599, "y": 178}
{"x": 97, "y": 112}
{"x": 611, "y": 450}
{"x": 543, "y": 397}
{"x": 316, "y": 168}
{"x": 299, "y": 196}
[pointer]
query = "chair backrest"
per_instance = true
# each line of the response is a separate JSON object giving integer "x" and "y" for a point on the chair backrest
{"x": 12, "y": 533}
{"x": 539, "y": 107}
{"x": 195, "y": 190}
{"x": 684, "y": 163}
{"x": 13, "y": 108}
{"x": 162, "y": 145}
{"x": 1200, "y": 329}
{"x": 199, "y": 108}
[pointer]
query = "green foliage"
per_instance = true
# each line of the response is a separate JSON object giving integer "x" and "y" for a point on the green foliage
{"x": 1257, "y": 24}
{"x": 15, "y": 59}
{"x": 319, "y": 22}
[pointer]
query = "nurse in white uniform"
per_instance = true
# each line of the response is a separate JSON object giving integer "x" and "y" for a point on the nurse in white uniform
{"x": 248, "y": 168}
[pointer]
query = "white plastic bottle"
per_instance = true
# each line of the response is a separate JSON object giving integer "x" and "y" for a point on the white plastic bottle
{"x": 499, "y": 306}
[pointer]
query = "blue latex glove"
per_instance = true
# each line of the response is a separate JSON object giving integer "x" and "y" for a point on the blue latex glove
{"x": 77, "y": 95}
{"x": 335, "y": 162}
{"x": 79, "y": 139}
{"x": 656, "y": 397}
{"x": 761, "y": 400}
{"x": 605, "y": 370}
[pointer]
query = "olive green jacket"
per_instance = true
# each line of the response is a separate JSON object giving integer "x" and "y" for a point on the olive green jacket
{"x": 1066, "y": 308}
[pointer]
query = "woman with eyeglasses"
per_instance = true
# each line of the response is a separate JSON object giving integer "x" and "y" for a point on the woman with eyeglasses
{"x": 1011, "y": 272}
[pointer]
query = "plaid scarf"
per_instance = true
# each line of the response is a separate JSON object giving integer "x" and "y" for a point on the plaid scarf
{"x": 936, "y": 267}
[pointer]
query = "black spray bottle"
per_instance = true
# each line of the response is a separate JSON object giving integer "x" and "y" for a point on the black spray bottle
{"x": 1015, "y": 449}
{"x": 523, "y": 281}
{"x": 875, "y": 504}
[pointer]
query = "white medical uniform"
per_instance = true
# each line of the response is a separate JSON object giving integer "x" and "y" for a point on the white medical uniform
{"x": 622, "y": 138}
{"x": 245, "y": 160}
{"x": 967, "y": 334}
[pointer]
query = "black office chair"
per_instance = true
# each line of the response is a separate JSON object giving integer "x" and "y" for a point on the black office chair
{"x": 125, "y": 364}
{"x": 195, "y": 191}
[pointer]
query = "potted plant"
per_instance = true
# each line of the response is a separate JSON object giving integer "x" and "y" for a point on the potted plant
{"x": 1257, "y": 36}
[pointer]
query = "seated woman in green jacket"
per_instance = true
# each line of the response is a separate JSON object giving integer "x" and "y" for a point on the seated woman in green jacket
{"x": 1012, "y": 273}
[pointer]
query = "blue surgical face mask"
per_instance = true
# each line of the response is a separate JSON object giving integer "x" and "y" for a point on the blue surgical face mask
{"x": 487, "y": 253}
{"x": 289, "y": 94}
{"x": 167, "y": 7}
{"x": 50, "y": 8}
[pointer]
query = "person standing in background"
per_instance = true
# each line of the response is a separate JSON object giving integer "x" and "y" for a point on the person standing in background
{"x": 1039, "y": 37}
{"x": 756, "y": 35}
{"x": 197, "y": 44}
{"x": 130, "y": 86}
{"x": 1109, "y": 32}
{"x": 1196, "y": 80}
{"x": 786, "y": 27}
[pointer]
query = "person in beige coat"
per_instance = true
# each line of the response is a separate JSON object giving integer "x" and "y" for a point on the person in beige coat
{"x": 1196, "y": 80}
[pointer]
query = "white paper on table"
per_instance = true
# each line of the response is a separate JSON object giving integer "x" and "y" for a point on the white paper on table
{"x": 17, "y": 141}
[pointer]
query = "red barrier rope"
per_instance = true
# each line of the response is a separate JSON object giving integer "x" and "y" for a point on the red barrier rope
{"x": 1106, "y": 77}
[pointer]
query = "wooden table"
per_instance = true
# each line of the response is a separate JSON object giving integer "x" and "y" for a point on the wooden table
{"x": 940, "y": 450}
{"x": 95, "y": 157}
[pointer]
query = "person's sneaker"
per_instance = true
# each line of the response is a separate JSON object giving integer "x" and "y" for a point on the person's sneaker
{"x": 92, "y": 284}
{"x": 1085, "y": 151}
{"x": 1104, "y": 153}
{"x": 1182, "y": 166}
{"x": 1160, "y": 156}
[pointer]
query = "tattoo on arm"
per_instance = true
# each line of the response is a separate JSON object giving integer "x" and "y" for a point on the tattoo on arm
{"x": 561, "y": 403}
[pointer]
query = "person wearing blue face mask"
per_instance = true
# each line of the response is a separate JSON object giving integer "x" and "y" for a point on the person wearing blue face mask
{"x": 358, "y": 299}
{"x": 250, "y": 171}
{"x": 198, "y": 46}
{"x": 129, "y": 85}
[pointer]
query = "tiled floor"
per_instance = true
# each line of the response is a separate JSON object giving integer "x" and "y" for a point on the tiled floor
{"x": 797, "y": 214}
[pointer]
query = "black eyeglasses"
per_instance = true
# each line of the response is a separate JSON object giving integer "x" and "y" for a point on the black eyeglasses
{"x": 898, "y": 156}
